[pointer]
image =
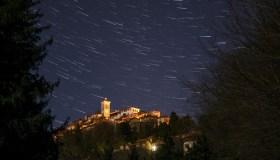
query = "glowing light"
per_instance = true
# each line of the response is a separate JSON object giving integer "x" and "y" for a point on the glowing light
{"x": 154, "y": 148}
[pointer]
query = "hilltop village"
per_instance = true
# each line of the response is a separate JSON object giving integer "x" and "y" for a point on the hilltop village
{"x": 133, "y": 115}
{"x": 129, "y": 131}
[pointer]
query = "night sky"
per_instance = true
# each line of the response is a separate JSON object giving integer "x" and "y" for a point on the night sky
{"x": 130, "y": 51}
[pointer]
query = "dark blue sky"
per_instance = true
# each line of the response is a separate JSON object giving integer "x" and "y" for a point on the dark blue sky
{"x": 130, "y": 51}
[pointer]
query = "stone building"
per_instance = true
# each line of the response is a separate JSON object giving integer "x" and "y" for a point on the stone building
{"x": 130, "y": 114}
{"x": 105, "y": 108}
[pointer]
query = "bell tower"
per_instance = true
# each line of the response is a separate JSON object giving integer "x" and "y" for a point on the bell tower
{"x": 105, "y": 108}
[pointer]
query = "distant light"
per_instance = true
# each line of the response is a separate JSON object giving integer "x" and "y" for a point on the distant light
{"x": 154, "y": 148}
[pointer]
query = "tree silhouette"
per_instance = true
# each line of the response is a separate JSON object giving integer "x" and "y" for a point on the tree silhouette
{"x": 239, "y": 94}
{"x": 133, "y": 155}
{"x": 124, "y": 131}
{"x": 201, "y": 150}
{"x": 26, "y": 123}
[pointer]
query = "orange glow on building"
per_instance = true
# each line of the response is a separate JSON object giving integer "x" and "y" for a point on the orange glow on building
{"x": 131, "y": 114}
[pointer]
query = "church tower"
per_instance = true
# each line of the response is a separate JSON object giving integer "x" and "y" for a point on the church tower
{"x": 105, "y": 108}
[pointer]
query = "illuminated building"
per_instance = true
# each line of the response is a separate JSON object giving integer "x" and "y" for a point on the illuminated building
{"x": 131, "y": 114}
{"x": 105, "y": 108}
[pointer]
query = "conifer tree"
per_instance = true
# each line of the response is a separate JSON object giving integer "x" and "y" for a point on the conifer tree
{"x": 174, "y": 123}
{"x": 25, "y": 122}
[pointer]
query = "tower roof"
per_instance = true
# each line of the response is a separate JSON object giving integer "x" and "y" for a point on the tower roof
{"x": 105, "y": 99}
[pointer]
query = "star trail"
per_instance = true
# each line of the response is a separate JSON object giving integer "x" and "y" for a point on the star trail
{"x": 130, "y": 51}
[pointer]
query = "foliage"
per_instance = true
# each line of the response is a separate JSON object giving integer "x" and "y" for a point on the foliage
{"x": 167, "y": 151}
{"x": 174, "y": 123}
{"x": 173, "y": 119}
{"x": 26, "y": 124}
{"x": 187, "y": 123}
{"x": 163, "y": 130}
{"x": 124, "y": 130}
{"x": 180, "y": 125}
{"x": 201, "y": 150}
{"x": 95, "y": 143}
{"x": 146, "y": 129}
{"x": 108, "y": 151}
{"x": 77, "y": 146}
{"x": 133, "y": 153}
{"x": 240, "y": 92}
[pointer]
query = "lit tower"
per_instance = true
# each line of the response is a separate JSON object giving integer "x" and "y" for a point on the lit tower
{"x": 105, "y": 108}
